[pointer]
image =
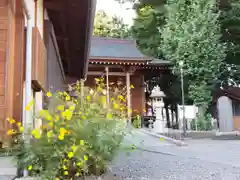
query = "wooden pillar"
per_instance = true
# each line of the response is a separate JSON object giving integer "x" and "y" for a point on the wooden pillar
{"x": 107, "y": 83}
{"x": 82, "y": 90}
{"x": 129, "y": 106}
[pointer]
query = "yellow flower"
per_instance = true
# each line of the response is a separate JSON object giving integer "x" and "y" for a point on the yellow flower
{"x": 31, "y": 103}
{"x": 97, "y": 79}
{"x": 79, "y": 163}
{"x": 109, "y": 116}
{"x": 77, "y": 174}
{"x": 49, "y": 134}
{"x": 49, "y": 94}
{"x": 130, "y": 110}
{"x": 49, "y": 117}
{"x": 50, "y": 124}
{"x": 63, "y": 114}
{"x": 57, "y": 118}
{"x": 115, "y": 105}
{"x": 30, "y": 167}
{"x": 120, "y": 97}
{"x": 60, "y": 108}
{"x": 74, "y": 148}
{"x": 42, "y": 112}
{"x": 84, "y": 117}
{"x": 36, "y": 133}
{"x": 161, "y": 139}
{"x": 57, "y": 178}
{"x": 131, "y": 86}
{"x": 82, "y": 142}
{"x": 60, "y": 93}
{"x": 28, "y": 108}
{"x": 70, "y": 154}
{"x": 75, "y": 101}
{"x": 71, "y": 108}
{"x": 68, "y": 114}
{"x": 88, "y": 98}
{"x": 64, "y": 167}
{"x": 19, "y": 124}
{"x": 66, "y": 173}
{"x": 21, "y": 129}
{"x": 62, "y": 130}
{"x": 11, "y": 132}
{"x": 85, "y": 158}
{"x": 11, "y": 121}
{"x": 61, "y": 137}
{"x": 67, "y": 98}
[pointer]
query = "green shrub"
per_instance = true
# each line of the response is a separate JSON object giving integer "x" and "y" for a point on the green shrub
{"x": 78, "y": 135}
{"x": 204, "y": 123}
{"x": 137, "y": 121}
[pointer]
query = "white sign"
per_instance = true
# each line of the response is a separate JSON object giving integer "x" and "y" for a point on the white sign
{"x": 190, "y": 111}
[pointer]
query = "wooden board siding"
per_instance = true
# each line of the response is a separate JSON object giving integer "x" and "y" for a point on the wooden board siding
{"x": 7, "y": 29}
{"x": 38, "y": 60}
{"x": 19, "y": 55}
{"x": 138, "y": 95}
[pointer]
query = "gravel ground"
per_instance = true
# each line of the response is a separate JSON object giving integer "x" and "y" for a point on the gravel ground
{"x": 161, "y": 161}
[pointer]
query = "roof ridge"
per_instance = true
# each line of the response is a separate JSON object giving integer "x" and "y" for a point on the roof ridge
{"x": 115, "y": 39}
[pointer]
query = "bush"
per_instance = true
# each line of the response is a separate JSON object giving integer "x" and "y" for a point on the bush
{"x": 203, "y": 123}
{"x": 137, "y": 121}
{"x": 78, "y": 135}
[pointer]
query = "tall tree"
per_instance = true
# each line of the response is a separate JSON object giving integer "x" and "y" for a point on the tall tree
{"x": 146, "y": 28}
{"x": 107, "y": 26}
{"x": 230, "y": 26}
{"x": 192, "y": 35}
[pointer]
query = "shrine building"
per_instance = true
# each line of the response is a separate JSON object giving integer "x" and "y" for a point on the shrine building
{"x": 120, "y": 60}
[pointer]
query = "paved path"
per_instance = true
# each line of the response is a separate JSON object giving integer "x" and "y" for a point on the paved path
{"x": 159, "y": 160}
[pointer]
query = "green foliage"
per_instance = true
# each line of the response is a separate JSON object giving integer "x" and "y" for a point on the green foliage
{"x": 192, "y": 35}
{"x": 107, "y": 26}
{"x": 137, "y": 121}
{"x": 150, "y": 17}
{"x": 79, "y": 136}
{"x": 230, "y": 26}
{"x": 188, "y": 23}
{"x": 202, "y": 123}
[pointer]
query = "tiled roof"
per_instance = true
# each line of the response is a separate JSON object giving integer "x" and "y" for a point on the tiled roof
{"x": 113, "y": 48}
{"x": 158, "y": 62}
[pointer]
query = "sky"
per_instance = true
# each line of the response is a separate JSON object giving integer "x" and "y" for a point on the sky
{"x": 113, "y": 8}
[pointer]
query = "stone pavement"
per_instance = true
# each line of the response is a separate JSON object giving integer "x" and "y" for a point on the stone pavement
{"x": 159, "y": 160}
{"x": 7, "y": 168}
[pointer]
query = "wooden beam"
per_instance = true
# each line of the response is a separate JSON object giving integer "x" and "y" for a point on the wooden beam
{"x": 98, "y": 73}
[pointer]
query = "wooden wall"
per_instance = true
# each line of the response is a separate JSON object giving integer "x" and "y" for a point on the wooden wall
{"x": 7, "y": 28}
{"x": 11, "y": 57}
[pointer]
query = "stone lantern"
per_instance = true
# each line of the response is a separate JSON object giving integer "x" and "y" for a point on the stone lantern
{"x": 157, "y": 103}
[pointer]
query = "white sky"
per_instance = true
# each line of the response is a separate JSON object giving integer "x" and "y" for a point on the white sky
{"x": 113, "y": 8}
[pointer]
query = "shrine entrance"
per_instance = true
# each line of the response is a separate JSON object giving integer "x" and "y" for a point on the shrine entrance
{"x": 120, "y": 63}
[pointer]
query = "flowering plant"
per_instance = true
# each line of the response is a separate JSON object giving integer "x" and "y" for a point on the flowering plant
{"x": 78, "y": 136}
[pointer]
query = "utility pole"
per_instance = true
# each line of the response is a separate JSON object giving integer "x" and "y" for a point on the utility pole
{"x": 183, "y": 99}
